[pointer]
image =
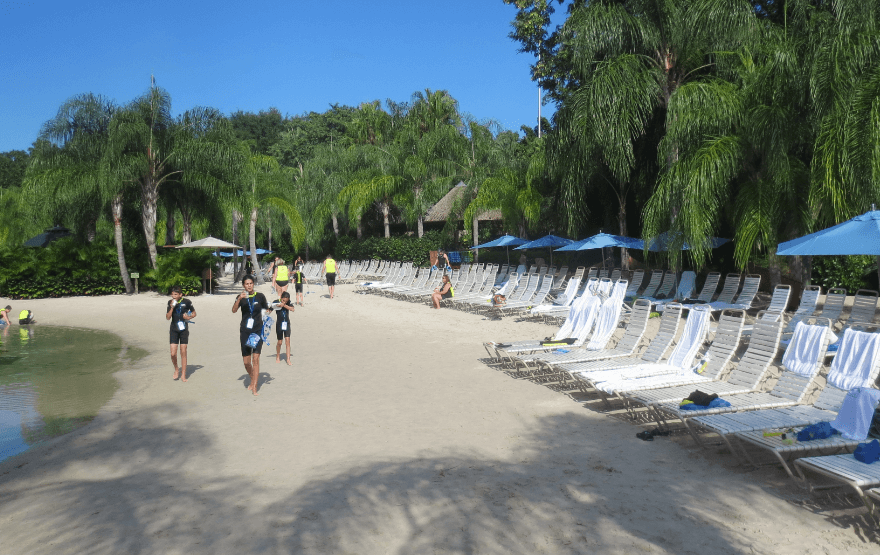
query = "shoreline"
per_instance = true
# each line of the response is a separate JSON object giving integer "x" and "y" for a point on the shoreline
{"x": 388, "y": 434}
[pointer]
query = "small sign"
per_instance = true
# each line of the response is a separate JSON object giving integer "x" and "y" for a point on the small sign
{"x": 135, "y": 275}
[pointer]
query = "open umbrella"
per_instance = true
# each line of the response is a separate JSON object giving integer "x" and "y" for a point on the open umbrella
{"x": 602, "y": 240}
{"x": 245, "y": 253}
{"x": 663, "y": 241}
{"x": 52, "y": 234}
{"x": 859, "y": 235}
{"x": 545, "y": 242}
{"x": 505, "y": 241}
{"x": 208, "y": 243}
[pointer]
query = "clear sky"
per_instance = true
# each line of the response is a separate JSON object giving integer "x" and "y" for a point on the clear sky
{"x": 296, "y": 56}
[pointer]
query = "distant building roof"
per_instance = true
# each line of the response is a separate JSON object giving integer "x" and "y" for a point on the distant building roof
{"x": 440, "y": 211}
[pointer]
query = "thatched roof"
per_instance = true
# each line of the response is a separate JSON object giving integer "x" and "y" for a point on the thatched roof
{"x": 440, "y": 211}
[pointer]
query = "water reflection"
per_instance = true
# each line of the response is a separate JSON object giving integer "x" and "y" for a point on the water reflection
{"x": 52, "y": 380}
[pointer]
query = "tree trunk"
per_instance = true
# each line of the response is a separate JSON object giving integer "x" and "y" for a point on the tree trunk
{"x": 92, "y": 230}
{"x": 256, "y": 265}
{"x": 421, "y": 226}
{"x": 775, "y": 271}
{"x": 359, "y": 229}
{"x": 806, "y": 269}
{"x": 307, "y": 252}
{"x": 795, "y": 267}
{"x": 476, "y": 239}
{"x": 186, "y": 215}
{"x": 335, "y": 224}
{"x": 385, "y": 211}
{"x": 621, "y": 225}
{"x": 236, "y": 219}
{"x": 116, "y": 207}
{"x": 169, "y": 226}
{"x": 149, "y": 199}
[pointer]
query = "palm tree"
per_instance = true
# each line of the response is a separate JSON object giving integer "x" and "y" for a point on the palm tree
{"x": 69, "y": 171}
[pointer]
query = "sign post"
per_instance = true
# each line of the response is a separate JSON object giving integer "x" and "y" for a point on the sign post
{"x": 135, "y": 276}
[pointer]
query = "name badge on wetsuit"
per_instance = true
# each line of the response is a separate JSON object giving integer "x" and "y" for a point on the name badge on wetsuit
{"x": 181, "y": 325}
{"x": 250, "y": 323}
{"x": 283, "y": 326}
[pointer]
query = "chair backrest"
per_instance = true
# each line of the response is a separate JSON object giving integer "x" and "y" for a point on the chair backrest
{"x": 779, "y": 300}
{"x": 809, "y": 300}
{"x": 692, "y": 338}
{"x": 832, "y": 397}
{"x": 686, "y": 285}
{"x": 725, "y": 343}
{"x": 669, "y": 323}
{"x": 615, "y": 274}
{"x": 749, "y": 291}
{"x": 656, "y": 278}
{"x": 665, "y": 288}
{"x": 593, "y": 272}
{"x": 635, "y": 282}
{"x": 609, "y": 317}
{"x": 794, "y": 387}
{"x": 579, "y": 272}
{"x": 567, "y": 297}
{"x": 560, "y": 278}
{"x": 603, "y": 273}
{"x": 510, "y": 285}
{"x": 728, "y": 292}
{"x": 833, "y": 303}
{"x": 709, "y": 287}
{"x": 635, "y": 329}
{"x": 590, "y": 286}
{"x": 604, "y": 287}
{"x": 763, "y": 347}
{"x": 864, "y": 307}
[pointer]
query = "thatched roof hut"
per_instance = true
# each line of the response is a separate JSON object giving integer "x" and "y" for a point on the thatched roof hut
{"x": 440, "y": 211}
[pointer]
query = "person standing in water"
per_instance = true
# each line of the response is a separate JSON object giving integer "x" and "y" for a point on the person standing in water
{"x": 282, "y": 326}
{"x": 180, "y": 311}
{"x": 280, "y": 277}
{"x": 251, "y": 304}
{"x": 329, "y": 270}
{"x": 298, "y": 280}
{"x": 4, "y": 315}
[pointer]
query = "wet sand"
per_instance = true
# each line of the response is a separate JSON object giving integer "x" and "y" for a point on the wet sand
{"x": 387, "y": 435}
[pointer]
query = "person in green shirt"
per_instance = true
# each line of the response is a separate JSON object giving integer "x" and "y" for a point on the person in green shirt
{"x": 329, "y": 270}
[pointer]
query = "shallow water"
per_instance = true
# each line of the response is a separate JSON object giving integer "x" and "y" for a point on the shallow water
{"x": 52, "y": 380}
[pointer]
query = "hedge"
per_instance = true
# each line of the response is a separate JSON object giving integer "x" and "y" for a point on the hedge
{"x": 403, "y": 249}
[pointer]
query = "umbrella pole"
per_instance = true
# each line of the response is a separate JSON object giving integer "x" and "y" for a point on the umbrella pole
{"x": 507, "y": 250}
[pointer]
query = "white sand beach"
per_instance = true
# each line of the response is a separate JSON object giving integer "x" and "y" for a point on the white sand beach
{"x": 387, "y": 435}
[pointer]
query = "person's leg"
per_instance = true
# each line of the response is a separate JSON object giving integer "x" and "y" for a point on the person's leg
{"x": 435, "y": 298}
{"x": 174, "y": 361}
{"x": 278, "y": 351}
{"x": 183, "y": 362}
{"x": 250, "y": 371}
{"x": 255, "y": 372}
{"x": 287, "y": 343}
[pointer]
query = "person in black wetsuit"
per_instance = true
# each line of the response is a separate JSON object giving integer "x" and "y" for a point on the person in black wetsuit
{"x": 251, "y": 305}
{"x": 282, "y": 326}
{"x": 180, "y": 311}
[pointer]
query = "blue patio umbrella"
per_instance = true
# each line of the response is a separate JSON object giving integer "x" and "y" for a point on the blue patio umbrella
{"x": 545, "y": 242}
{"x": 860, "y": 235}
{"x": 602, "y": 240}
{"x": 506, "y": 241}
{"x": 663, "y": 241}
{"x": 245, "y": 253}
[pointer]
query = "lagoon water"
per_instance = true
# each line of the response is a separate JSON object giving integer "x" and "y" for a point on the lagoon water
{"x": 52, "y": 380}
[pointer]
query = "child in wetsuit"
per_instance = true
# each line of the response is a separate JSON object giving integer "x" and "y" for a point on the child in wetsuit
{"x": 298, "y": 279}
{"x": 282, "y": 326}
{"x": 180, "y": 311}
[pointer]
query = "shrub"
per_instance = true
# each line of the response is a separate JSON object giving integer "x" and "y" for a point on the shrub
{"x": 850, "y": 272}
{"x": 403, "y": 249}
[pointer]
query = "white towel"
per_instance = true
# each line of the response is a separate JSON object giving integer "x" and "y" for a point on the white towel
{"x": 606, "y": 323}
{"x": 568, "y": 326}
{"x": 665, "y": 380}
{"x": 854, "y": 417}
{"x": 855, "y": 359}
{"x": 691, "y": 338}
{"x": 802, "y": 355}
{"x": 686, "y": 285}
{"x": 584, "y": 323}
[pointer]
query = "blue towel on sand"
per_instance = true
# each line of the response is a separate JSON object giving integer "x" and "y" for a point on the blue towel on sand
{"x": 716, "y": 403}
{"x": 821, "y": 430}
{"x": 868, "y": 452}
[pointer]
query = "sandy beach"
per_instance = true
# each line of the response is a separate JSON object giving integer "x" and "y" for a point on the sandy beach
{"x": 387, "y": 435}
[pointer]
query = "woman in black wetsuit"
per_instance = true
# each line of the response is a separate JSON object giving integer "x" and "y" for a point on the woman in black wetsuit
{"x": 251, "y": 305}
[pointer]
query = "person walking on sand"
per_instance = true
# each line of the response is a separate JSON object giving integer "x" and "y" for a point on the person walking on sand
{"x": 445, "y": 291}
{"x": 180, "y": 311}
{"x": 280, "y": 277}
{"x": 298, "y": 280}
{"x": 329, "y": 270}
{"x": 251, "y": 304}
{"x": 282, "y": 326}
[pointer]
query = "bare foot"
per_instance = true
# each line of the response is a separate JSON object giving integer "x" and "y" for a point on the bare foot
{"x": 183, "y": 376}
{"x": 176, "y": 375}
{"x": 277, "y": 360}
{"x": 289, "y": 363}
{"x": 255, "y": 392}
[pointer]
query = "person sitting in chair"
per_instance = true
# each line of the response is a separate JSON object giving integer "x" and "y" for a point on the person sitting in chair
{"x": 445, "y": 291}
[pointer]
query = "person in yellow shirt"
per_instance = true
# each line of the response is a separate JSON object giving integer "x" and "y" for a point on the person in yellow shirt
{"x": 329, "y": 270}
{"x": 4, "y": 315}
{"x": 280, "y": 276}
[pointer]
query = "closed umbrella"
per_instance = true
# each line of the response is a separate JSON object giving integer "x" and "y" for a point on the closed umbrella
{"x": 505, "y": 241}
{"x": 859, "y": 235}
{"x": 545, "y": 242}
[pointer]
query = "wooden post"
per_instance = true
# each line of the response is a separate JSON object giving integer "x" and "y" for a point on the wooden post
{"x": 135, "y": 276}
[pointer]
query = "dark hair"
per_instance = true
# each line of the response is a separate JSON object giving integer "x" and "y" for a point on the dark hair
{"x": 285, "y": 295}
{"x": 177, "y": 289}
{"x": 9, "y": 307}
{"x": 247, "y": 277}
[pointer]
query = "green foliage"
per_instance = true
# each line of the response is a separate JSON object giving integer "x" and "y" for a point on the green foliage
{"x": 180, "y": 267}
{"x": 850, "y": 272}
{"x": 12, "y": 167}
{"x": 404, "y": 249}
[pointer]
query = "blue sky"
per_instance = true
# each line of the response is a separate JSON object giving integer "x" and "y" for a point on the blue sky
{"x": 296, "y": 56}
